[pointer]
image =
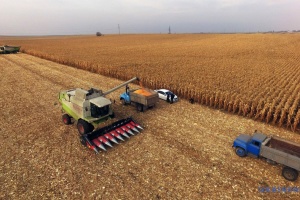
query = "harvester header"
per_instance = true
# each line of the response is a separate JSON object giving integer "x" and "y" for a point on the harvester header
{"x": 101, "y": 138}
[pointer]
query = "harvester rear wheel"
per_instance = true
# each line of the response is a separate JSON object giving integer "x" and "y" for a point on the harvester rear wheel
{"x": 84, "y": 127}
{"x": 66, "y": 119}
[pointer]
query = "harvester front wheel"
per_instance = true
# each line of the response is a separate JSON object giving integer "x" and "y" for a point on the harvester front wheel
{"x": 84, "y": 127}
{"x": 66, "y": 119}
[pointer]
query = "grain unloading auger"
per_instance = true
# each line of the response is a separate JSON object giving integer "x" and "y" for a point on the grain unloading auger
{"x": 90, "y": 108}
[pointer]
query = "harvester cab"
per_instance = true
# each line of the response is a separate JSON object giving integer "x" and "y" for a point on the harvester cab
{"x": 90, "y": 108}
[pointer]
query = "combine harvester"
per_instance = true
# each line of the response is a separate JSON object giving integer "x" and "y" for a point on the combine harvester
{"x": 90, "y": 108}
{"x": 5, "y": 49}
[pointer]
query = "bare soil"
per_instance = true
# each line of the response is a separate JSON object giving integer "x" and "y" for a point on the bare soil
{"x": 184, "y": 152}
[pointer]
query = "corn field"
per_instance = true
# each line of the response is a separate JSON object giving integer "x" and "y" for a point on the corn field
{"x": 252, "y": 75}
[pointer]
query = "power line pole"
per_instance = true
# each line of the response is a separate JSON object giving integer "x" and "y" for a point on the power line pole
{"x": 169, "y": 29}
{"x": 119, "y": 29}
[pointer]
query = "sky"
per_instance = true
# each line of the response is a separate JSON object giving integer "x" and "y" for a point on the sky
{"x": 73, "y": 17}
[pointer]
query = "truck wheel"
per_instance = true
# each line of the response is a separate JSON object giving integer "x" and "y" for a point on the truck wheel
{"x": 289, "y": 174}
{"x": 66, "y": 119}
{"x": 123, "y": 101}
{"x": 84, "y": 127}
{"x": 140, "y": 107}
{"x": 240, "y": 152}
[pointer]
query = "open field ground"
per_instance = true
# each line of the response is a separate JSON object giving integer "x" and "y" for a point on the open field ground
{"x": 183, "y": 153}
{"x": 252, "y": 75}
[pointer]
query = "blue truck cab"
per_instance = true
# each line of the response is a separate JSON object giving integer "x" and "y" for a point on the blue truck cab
{"x": 246, "y": 144}
{"x": 125, "y": 98}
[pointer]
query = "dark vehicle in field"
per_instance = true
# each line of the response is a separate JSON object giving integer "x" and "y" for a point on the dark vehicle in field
{"x": 5, "y": 49}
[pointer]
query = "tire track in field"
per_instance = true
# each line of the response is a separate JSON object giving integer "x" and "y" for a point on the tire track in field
{"x": 23, "y": 65}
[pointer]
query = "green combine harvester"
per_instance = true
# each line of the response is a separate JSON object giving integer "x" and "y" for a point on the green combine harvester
{"x": 5, "y": 49}
{"x": 90, "y": 108}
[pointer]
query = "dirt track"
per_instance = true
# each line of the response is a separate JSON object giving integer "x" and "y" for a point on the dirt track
{"x": 184, "y": 152}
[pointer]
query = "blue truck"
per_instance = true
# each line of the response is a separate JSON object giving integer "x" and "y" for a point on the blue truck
{"x": 142, "y": 98}
{"x": 274, "y": 149}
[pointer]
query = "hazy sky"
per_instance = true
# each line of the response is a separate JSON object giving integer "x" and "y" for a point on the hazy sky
{"x": 57, "y": 17}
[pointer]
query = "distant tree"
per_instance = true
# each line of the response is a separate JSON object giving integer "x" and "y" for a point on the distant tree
{"x": 99, "y": 34}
